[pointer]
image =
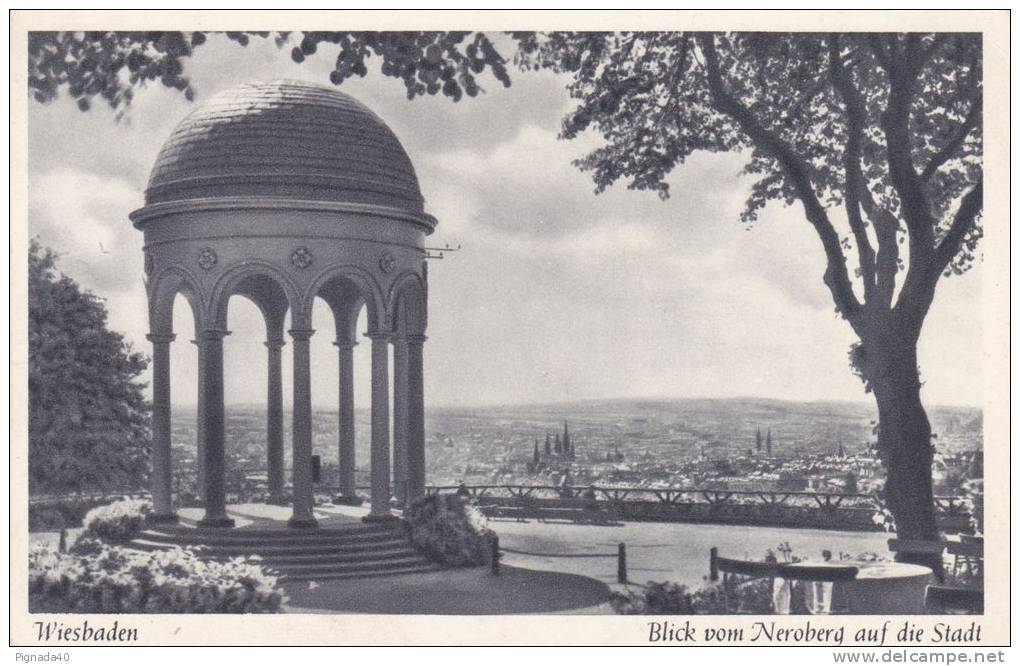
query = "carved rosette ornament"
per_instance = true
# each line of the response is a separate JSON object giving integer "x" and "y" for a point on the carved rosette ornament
{"x": 387, "y": 262}
{"x": 207, "y": 258}
{"x": 301, "y": 257}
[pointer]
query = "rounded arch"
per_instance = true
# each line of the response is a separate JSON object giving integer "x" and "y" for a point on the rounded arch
{"x": 408, "y": 304}
{"x": 264, "y": 284}
{"x": 163, "y": 290}
{"x": 346, "y": 288}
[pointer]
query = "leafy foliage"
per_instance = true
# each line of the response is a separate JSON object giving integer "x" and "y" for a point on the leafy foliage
{"x": 888, "y": 125}
{"x": 88, "y": 419}
{"x": 975, "y": 494}
{"x": 110, "y": 65}
{"x": 99, "y": 578}
{"x": 450, "y": 530}
{"x": 56, "y": 515}
{"x": 119, "y": 521}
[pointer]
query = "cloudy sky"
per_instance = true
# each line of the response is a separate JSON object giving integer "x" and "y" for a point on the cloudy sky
{"x": 558, "y": 294}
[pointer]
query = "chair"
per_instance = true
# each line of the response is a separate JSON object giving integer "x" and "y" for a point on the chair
{"x": 968, "y": 557}
{"x": 967, "y": 553}
{"x": 954, "y": 600}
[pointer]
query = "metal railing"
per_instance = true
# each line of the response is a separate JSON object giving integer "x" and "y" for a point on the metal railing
{"x": 853, "y": 511}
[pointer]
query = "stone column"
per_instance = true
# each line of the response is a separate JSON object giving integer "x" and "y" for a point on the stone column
{"x": 200, "y": 427}
{"x": 400, "y": 418}
{"x": 380, "y": 509}
{"x": 274, "y": 421}
{"x": 211, "y": 349}
{"x": 301, "y": 457}
{"x": 162, "y": 473}
{"x": 415, "y": 418}
{"x": 348, "y": 493}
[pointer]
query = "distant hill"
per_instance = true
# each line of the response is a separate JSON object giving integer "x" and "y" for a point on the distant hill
{"x": 656, "y": 427}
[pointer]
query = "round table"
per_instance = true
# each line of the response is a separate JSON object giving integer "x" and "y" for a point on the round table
{"x": 880, "y": 588}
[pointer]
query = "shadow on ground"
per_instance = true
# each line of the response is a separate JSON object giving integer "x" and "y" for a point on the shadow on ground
{"x": 454, "y": 592}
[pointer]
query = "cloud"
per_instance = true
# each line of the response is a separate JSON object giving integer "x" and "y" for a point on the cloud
{"x": 83, "y": 215}
{"x": 558, "y": 293}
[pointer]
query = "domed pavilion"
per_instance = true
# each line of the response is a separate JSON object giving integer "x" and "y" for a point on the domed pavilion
{"x": 282, "y": 192}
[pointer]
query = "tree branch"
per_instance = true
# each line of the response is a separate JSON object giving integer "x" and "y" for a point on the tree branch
{"x": 963, "y": 222}
{"x": 914, "y": 204}
{"x": 895, "y": 126}
{"x": 879, "y": 49}
{"x": 954, "y": 143}
{"x": 887, "y": 262}
{"x": 853, "y": 176}
{"x": 836, "y": 277}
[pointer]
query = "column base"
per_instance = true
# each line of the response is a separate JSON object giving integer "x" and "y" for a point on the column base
{"x": 161, "y": 518}
{"x": 302, "y": 523}
{"x": 216, "y": 522}
{"x": 380, "y": 518}
{"x": 348, "y": 500}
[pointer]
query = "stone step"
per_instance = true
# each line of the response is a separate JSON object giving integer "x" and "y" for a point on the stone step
{"x": 354, "y": 529}
{"x": 272, "y": 550}
{"x": 297, "y": 554}
{"x": 285, "y": 539}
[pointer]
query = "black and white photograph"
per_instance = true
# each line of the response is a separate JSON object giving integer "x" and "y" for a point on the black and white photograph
{"x": 690, "y": 326}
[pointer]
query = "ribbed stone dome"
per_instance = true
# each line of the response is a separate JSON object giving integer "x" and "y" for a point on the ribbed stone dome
{"x": 285, "y": 139}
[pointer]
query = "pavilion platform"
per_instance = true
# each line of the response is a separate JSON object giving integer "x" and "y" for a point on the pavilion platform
{"x": 341, "y": 547}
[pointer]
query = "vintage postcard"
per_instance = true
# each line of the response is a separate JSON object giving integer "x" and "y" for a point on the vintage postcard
{"x": 417, "y": 328}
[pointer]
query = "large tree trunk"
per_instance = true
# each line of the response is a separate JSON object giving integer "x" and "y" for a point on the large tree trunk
{"x": 904, "y": 441}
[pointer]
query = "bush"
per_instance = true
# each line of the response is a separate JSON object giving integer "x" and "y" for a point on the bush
{"x": 51, "y": 516}
{"x": 118, "y": 522}
{"x": 449, "y": 530}
{"x": 671, "y": 598}
{"x": 727, "y": 598}
{"x": 974, "y": 491}
{"x": 100, "y": 578}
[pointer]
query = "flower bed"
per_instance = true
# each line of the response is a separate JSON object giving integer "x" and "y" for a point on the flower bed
{"x": 118, "y": 522}
{"x": 449, "y": 530}
{"x": 100, "y": 578}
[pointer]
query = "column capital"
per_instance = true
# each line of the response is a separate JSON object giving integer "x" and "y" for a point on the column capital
{"x": 213, "y": 334}
{"x": 416, "y": 338}
{"x": 379, "y": 336}
{"x": 301, "y": 333}
{"x": 157, "y": 338}
{"x": 275, "y": 344}
{"x": 345, "y": 344}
